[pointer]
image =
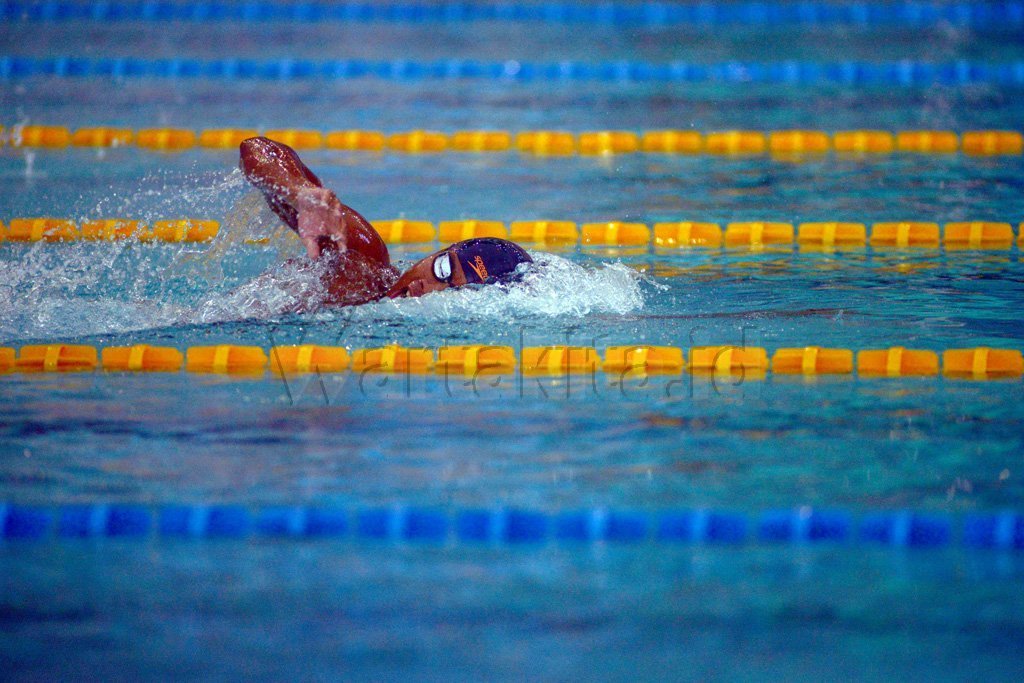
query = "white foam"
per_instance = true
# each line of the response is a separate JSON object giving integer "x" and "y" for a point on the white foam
{"x": 75, "y": 290}
{"x": 553, "y": 286}
{"x": 290, "y": 287}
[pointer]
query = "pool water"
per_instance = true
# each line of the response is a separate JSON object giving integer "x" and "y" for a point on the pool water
{"x": 392, "y": 610}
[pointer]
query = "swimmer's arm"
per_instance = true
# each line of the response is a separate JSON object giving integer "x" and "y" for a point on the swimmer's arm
{"x": 301, "y": 200}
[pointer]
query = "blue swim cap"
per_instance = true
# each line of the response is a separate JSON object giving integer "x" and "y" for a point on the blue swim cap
{"x": 489, "y": 259}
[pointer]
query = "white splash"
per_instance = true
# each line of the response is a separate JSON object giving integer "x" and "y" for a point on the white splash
{"x": 82, "y": 288}
{"x": 290, "y": 287}
{"x": 88, "y": 289}
{"x": 553, "y": 286}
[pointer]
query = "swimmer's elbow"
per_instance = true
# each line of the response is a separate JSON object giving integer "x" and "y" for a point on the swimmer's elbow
{"x": 246, "y": 152}
{"x": 252, "y": 152}
{"x": 251, "y": 145}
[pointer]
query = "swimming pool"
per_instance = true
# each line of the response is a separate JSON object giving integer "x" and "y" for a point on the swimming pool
{"x": 525, "y": 526}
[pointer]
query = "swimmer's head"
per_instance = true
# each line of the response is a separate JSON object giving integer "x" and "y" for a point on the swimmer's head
{"x": 483, "y": 260}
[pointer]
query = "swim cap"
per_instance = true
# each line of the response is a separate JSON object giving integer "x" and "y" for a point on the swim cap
{"x": 489, "y": 259}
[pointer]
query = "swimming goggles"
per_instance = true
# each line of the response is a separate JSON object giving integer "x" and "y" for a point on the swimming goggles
{"x": 443, "y": 267}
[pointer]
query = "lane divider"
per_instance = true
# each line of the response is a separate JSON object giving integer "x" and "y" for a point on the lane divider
{"x": 979, "y": 363}
{"x": 754, "y": 235}
{"x": 784, "y": 144}
{"x": 515, "y": 526}
{"x": 820, "y": 13}
{"x": 904, "y": 73}
{"x": 108, "y": 230}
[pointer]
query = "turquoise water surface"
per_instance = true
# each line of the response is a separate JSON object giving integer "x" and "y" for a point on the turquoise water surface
{"x": 359, "y": 608}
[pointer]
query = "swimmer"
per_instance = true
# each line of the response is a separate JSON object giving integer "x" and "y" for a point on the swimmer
{"x": 358, "y": 267}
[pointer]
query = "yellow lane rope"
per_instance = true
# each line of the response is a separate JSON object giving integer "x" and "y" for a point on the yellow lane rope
{"x": 541, "y": 143}
{"x": 753, "y": 235}
{"x": 477, "y": 359}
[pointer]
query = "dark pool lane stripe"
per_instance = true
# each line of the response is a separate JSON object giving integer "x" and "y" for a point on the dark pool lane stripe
{"x": 512, "y": 526}
{"x": 906, "y": 73}
{"x": 909, "y": 13}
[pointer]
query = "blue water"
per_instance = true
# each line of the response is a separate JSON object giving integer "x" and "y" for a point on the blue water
{"x": 395, "y": 611}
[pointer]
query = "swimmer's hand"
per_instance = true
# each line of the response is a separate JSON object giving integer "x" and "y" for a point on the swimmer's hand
{"x": 321, "y": 220}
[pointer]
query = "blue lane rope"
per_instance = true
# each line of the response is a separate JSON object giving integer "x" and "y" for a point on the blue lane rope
{"x": 899, "y": 529}
{"x": 903, "y": 73}
{"x": 709, "y": 13}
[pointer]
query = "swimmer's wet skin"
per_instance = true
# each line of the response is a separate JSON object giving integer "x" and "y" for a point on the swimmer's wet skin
{"x": 359, "y": 266}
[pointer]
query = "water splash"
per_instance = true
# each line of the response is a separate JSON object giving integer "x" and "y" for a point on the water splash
{"x": 30, "y": 166}
{"x": 553, "y": 287}
{"x": 80, "y": 289}
{"x": 290, "y": 287}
